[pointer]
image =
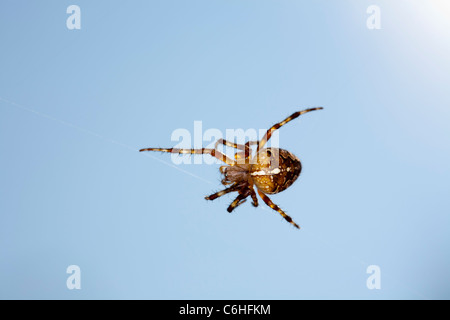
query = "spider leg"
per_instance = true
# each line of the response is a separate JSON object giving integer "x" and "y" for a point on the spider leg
{"x": 229, "y": 144}
{"x": 275, "y": 127}
{"x": 213, "y": 152}
{"x": 254, "y": 198}
{"x": 240, "y": 199}
{"x": 239, "y": 155}
{"x": 276, "y": 208}
{"x": 221, "y": 193}
{"x": 235, "y": 145}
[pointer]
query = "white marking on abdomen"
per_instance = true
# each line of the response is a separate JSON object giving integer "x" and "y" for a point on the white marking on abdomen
{"x": 265, "y": 173}
{"x": 275, "y": 171}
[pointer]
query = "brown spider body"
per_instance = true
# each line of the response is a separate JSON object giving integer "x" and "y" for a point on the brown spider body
{"x": 269, "y": 174}
{"x": 271, "y": 178}
{"x": 271, "y": 171}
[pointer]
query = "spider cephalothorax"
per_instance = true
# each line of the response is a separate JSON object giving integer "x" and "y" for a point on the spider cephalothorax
{"x": 270, "y": 171}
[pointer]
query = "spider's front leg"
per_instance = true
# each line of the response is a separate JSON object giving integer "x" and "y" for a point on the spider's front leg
{"x": 238, "y": 155}
{"x": 278, "y": 125}
{"x": 213, "y": 152}
{"x": 229, "y": 144}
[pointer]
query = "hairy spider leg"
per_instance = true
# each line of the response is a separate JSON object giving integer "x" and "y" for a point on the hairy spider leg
{"x": 277, "y": 126}
{"x": 221, "y": 193}
{"x": 240, "y": 199}
{"x": 245, "y": 148}
{"x": 254, "y": 198}
{"x": 229, "y": 144}
{"x": 212, "y": 152}
{"x": 241, "y": 157}
{"x": 276, "y": 208}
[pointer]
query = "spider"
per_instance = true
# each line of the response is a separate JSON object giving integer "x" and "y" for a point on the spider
{"x": 271, "y": 170}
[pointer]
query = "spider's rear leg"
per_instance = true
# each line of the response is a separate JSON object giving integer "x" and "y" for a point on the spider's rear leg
{"x": 213, "y": 152}
{"x": 276, "y": 208}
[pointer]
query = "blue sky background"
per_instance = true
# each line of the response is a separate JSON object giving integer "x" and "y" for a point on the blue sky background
{"x": 76, "y": 105}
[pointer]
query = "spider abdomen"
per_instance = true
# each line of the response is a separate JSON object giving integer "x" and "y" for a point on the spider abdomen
{"x": 275, "y": 170}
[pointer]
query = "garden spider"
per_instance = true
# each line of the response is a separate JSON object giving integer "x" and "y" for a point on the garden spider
{"x": 271, "y": 170}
